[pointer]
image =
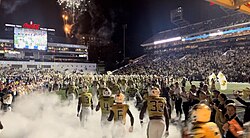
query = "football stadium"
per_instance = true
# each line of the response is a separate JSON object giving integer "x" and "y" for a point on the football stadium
{"x": 191, "y": 80}
{"x": 30, "y": 46}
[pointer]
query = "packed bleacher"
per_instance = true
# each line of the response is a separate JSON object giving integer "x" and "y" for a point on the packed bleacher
{"x": 225, "y": 21}
{"x": 195, "y": 63}
{"x": 198, "y": 62}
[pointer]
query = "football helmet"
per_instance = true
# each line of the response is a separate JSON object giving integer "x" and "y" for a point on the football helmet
{"x": 119, "y": 98}
{"x": 154, "y": 91}
{"x": 107, "y": 92}
{"x": 102, "y": 83}
{"x": 200, "y": 113}
{"x": 7, "y": 99}
{"x": 85, "y": 88}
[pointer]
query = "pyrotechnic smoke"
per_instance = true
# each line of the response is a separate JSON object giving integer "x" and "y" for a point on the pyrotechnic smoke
{"x": 45, "y": 116}
{"x": 106, "y": 30}
{"x": 10, "y": 6}
{"x": 94, "y": 22}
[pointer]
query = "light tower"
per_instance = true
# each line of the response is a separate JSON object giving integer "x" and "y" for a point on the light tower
{"x": 177, "y": 17}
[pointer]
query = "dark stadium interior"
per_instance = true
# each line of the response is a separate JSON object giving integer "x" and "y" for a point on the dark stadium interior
{"x": 80, "y": 68}
{"x": 143, "y": 19}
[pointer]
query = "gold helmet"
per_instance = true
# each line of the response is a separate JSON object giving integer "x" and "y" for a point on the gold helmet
{"x": 154, "y": 91}
{"x": 102, "y": 83}
{"x": 130, "y": 82}
{"x": 200, "y": 113}
{"x": 72, "y": 83}
{"x": 107, "y": 92}
{"x": 119, "y": 98}
{"x": 85, "y": 88}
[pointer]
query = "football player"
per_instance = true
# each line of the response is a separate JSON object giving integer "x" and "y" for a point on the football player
{"x": 118, "y": 112}
{"x": 158, "y": 114}
{"x": 7, "y": 100}
{"x": 132, "y": 94}
{"x": 71, "y": 92}
{"x": 85, "y": 103}
{"x": 105, "y": 103}
{"x": 101, "y": 88}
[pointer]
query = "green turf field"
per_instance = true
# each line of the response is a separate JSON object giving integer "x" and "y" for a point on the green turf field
{"x": 230, "y": 86}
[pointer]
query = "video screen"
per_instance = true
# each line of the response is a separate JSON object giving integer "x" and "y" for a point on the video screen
{"x": 30, "y": 39}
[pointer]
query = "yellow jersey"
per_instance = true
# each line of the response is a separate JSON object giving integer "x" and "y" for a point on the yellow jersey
{"x": 205, "y": 130}
{"x": 120, "y": 112}
{"x": 106, "y": 104}
{"x": 155, "y": 106}
{"x": 72, "y": 89}
{"x": 86, "y": 99}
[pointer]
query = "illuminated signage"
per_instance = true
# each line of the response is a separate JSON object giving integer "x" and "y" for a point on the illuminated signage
{"x": 31, "y": 26}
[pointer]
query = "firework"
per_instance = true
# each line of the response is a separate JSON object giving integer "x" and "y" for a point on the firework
{"x": 74, "y": 7}
{"x": 71, "y": 4}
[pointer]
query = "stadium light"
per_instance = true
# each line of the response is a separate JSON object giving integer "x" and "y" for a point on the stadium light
{"x": 13, "y": 52}
{"x": 9, "y": 25}
{"x": 44, "y": 29}
{"x": 215, "y": 34}
{"x": 51, "y": 30}
{"x": 167, "y": 40}
{"x": 19, "y": 26}
{"x": 148, "y": 44}
{"x": 83, "y": 55}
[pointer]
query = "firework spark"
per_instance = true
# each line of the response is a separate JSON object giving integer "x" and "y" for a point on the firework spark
{"x": 70, "y": 3}
{"x": 74, "y": 8}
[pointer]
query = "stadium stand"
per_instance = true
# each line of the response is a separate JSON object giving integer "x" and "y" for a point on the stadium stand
{"x": 198, "y": 60}
{"x": 202, "y": 26}
{"x": 197, "y": 63}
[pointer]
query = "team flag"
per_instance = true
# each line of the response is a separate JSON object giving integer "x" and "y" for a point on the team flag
{"x": 212, "y": 76}
{"x": 222, "y": 81}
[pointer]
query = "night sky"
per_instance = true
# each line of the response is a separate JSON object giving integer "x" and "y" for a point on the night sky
{"x": 143, "y": 17}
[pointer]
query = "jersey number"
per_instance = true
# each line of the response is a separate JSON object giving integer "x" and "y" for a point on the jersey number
{"x": 157, "y": 106}
{"x": 106, "y": 106}
{"x": 120, "y": 114}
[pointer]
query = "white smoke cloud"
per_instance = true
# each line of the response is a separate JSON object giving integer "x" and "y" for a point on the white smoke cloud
{"x": 45, "y": 116}
{"x": 10, "y": 6}
{"x": 106, "y": 31}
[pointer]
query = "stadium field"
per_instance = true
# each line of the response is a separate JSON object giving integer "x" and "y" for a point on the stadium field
{"x": 230, "y": 86}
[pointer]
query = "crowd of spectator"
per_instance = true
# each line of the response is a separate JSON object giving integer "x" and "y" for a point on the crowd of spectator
{"x": 225, "y": 21}
{"x": 196, "y": 64}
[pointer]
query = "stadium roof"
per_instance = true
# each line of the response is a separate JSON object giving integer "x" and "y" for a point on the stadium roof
{"x": 197, "y": 28}
{"x": 240, "y": 5}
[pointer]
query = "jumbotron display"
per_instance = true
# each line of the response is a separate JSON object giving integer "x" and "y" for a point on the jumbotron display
{"x": 30, "y": 39}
